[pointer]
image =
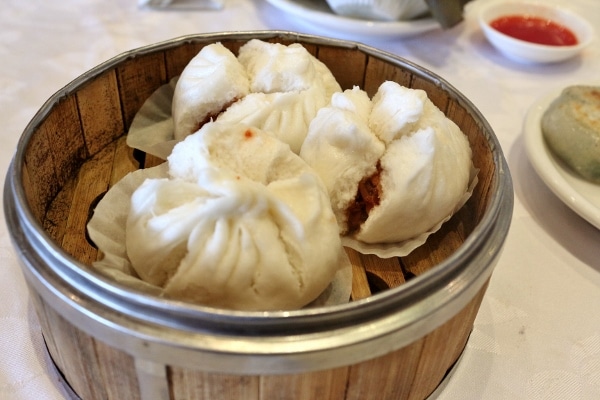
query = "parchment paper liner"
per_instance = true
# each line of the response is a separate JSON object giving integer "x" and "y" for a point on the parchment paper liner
{"x": 151, "y": 130}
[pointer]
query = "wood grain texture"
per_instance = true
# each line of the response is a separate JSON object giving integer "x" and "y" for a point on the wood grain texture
{"x": 93, "y": 180}
{"x": 75, "y": 356}
{"x": 347, "y": 66}
{"x": 124, "y": 161}
{"x": 97, "y": 371}
{"x": 177, "y": 58}
{"x": 328, "y": 384}
{"x": 387, "y": 271}
{"x": 377, "y": 71}
{"x": 100, "y": 110}
{"x": 360, "y": 282}
{"x": 388, "y": 377}
{"x": 112, "y": 363}
{"x": 198, "y": 385}
{"x": 55, "y": 220}
{"x": 441, "y": 349}
{"x": 32, "y": 188}
{"x": 138, "y": 78}
{"x": 435, "y": 93}
{"x": 65, "y": 139}
{"x": 41, "y": 166}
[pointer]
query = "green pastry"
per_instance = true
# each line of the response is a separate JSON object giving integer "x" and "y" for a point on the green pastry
{"x": 571, "y": 128}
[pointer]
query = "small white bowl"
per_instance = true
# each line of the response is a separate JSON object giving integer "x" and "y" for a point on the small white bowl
{"x": 528, "y": 52}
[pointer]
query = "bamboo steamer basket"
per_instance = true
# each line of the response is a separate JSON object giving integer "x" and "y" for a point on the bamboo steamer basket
{"x": 408, "y": 319}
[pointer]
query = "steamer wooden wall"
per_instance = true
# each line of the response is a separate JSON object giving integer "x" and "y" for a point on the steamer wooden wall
{"x": 79, "y": 151}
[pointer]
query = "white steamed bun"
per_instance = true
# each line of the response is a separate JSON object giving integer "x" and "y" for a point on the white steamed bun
{"x": 285, "y": 115}
{"x": 241, "y": 223}
{"x": 396, "y": 169}
{"x": 211, "y": 81}
{"x": 274, "y": 67}
{"x": 342, "y": 149}
{"x": 270, "y": 86}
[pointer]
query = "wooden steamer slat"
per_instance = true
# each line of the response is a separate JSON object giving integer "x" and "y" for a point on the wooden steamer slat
{"x": 378, "y": 71}
{"x": 92, "y": 181}
{"x": 137, "y": 79}
{"x": 75, "y": 356}
{"x": 177, "y": 58}
{"x": 437, "y": 248}
{"x": 389, "y": 377}
{"x": 124, "y": 161}
{"x": 386, "y": 271}
{"x": 435, "y": 94}
{"x": 80, "y": 151}
{"x": 93, "y": 369}
{"x": 45, "y": 172}
{"x": 360, "y": 282}
{"x": 329, "y": 384}
{"x": 55, "y": 222}
{"x": 100, "y": 110}
{"x": 197, "y": 385}
{"x": 350, "y": 72}
{"x": 65, "y": 140}
{"x": 442, "y": 347}
{"x": 152, "y": 161}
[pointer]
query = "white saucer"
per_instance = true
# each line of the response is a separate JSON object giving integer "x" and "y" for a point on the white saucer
{"x": 581, "y": 196}
{"x": 317, "y": 14}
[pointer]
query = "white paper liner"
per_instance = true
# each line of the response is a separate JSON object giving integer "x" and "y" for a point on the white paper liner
{"x": 401, "y": 249}
{"x": 106, "y": 229}
{"x": 152, "y": 127}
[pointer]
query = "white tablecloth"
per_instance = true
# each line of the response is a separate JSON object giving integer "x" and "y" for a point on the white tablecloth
{"x": 537, "y": 335}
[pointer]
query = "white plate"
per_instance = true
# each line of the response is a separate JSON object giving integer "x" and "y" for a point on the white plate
{"x": 581, "y": 196}
{"x": 318, "y": 14}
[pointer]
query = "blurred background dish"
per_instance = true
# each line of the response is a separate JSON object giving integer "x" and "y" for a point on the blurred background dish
{"x": 183, "y": 4}
{"x": 317, "y": 14}
{"x": 379, "y": 10}
{"x": 535, "y": 32}
{"x": 580, "y": 195}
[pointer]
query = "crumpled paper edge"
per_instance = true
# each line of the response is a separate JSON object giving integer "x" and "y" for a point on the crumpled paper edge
{"x": 106, "y": 229}
{"x": 151, "y": 130}
{"x": 401, "y": 249}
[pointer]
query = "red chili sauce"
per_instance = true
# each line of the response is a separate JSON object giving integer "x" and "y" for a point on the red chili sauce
{"x": 535, "y": 30}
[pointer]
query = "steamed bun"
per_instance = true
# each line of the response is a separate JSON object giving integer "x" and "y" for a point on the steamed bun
{"x": 274, "y": 67}
{"x": 211, "y": 81}
{"x": 285, "y": 115}
{"x": 396, "y": 168}
{"x": 241, "y": 223}
{"x": 270, "y": 86}
{"x": 341, "y": 147}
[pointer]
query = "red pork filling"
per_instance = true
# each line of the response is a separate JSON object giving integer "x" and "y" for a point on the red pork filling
{"x": 367, "y": 197}
{"x": 213, "y": 116}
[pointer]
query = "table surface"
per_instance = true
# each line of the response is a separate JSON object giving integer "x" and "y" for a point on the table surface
{"x": 537, "y": 335}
